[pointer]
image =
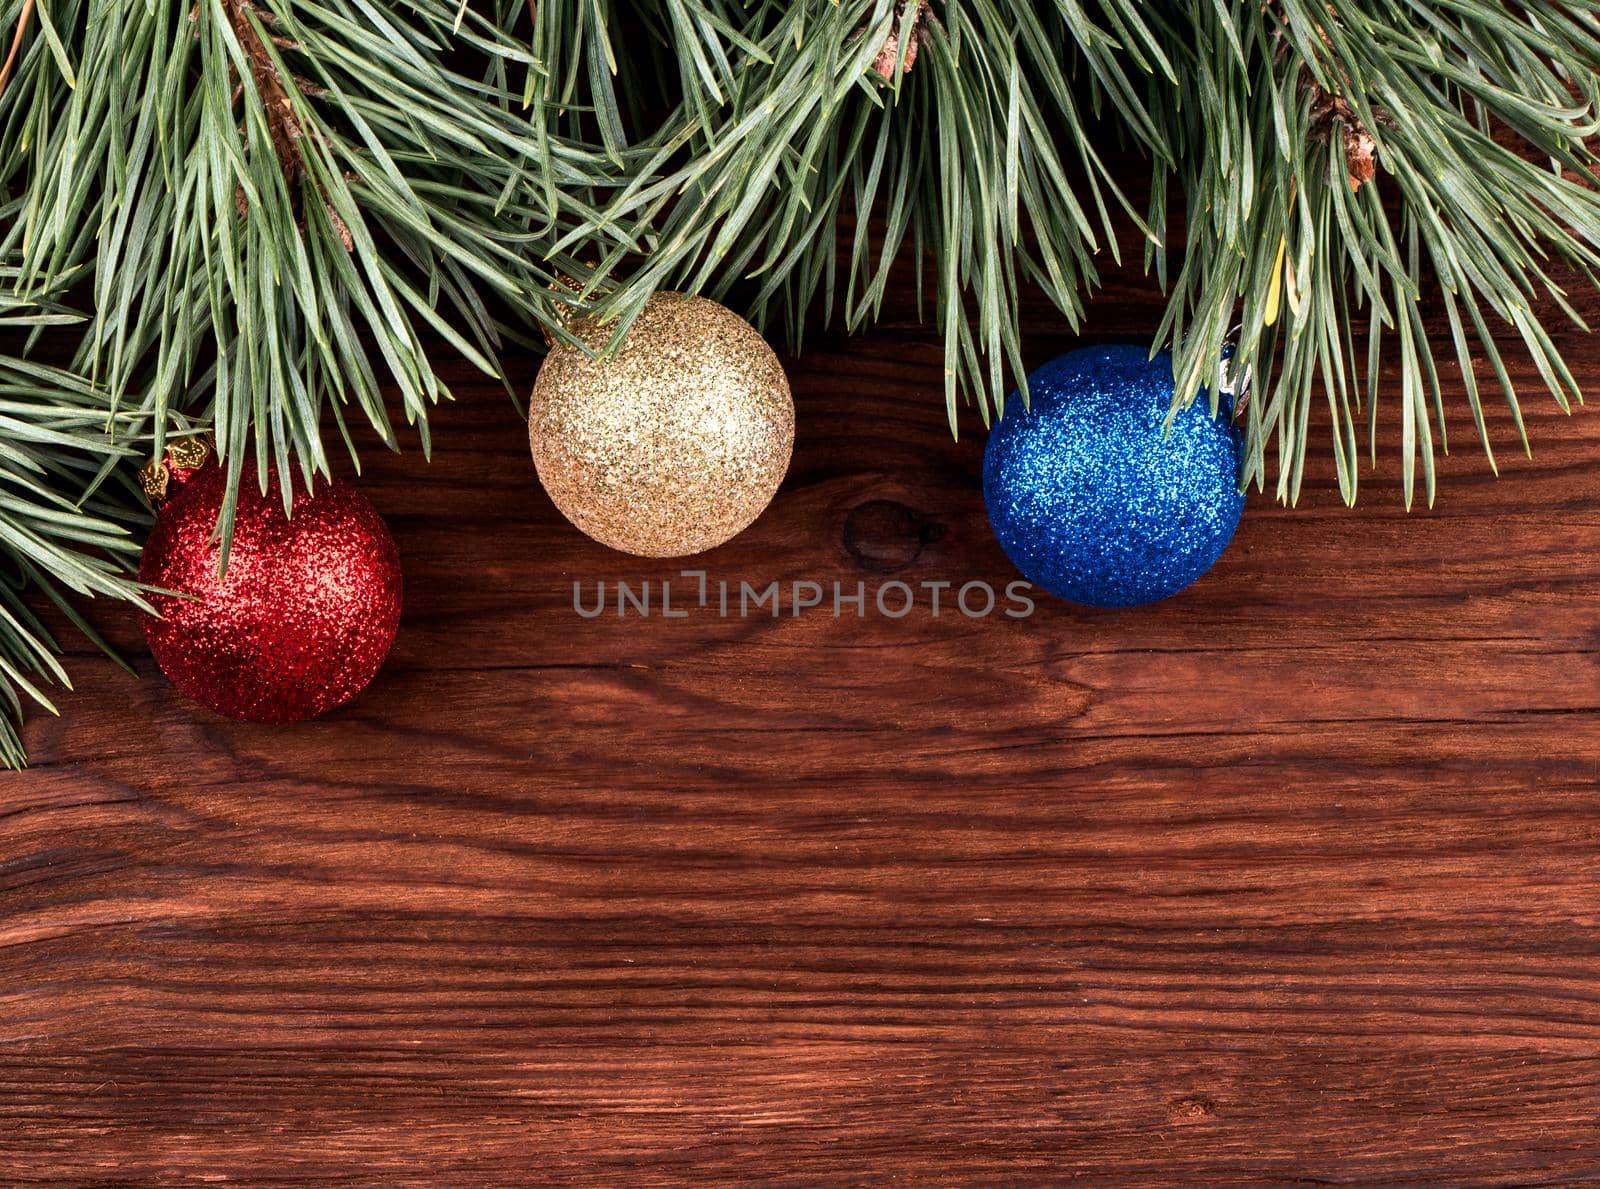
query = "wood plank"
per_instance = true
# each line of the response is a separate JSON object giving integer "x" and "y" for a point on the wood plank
{"x": 1293, "y": 876}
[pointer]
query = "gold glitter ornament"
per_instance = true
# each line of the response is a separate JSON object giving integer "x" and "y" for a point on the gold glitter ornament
{"x": 673, "y": 444}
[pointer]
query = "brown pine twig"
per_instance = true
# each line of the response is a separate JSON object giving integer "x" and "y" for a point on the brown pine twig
{"x": 282, "y": 123}
{"x": 889, "y": 55}
{"x": 16, "y": 44}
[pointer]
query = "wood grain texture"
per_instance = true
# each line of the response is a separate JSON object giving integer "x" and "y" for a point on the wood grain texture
{"x": 1296, "y": 876}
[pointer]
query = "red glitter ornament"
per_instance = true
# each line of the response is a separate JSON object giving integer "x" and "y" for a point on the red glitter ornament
{"x": 306, "y": 613}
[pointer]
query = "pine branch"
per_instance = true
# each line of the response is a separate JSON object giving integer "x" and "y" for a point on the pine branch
{"x": 1288, "y": 111}
{"x": 70, "y": 520}
{"x": 69, "y": 527}
{"x": 277, "y": 207}
{"x": 786, "y": 122}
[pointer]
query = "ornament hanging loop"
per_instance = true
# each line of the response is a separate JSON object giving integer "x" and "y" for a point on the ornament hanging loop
{"x": 1233, "y": 383}
{"x": 564, "y": 313}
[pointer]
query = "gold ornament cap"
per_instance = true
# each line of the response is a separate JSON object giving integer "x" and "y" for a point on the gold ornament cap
{"x": 675, "y": 442}
{"x": 181, "y": 456}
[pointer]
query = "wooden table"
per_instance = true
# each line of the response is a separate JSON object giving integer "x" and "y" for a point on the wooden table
{"x": 1294, "y": 876}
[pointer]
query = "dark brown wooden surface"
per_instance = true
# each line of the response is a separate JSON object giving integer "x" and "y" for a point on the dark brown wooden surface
{"x": 1295, "y": 876}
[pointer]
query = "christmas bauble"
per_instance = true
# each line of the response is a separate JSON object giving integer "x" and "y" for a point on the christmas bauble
{"x": 674, "y": 443}
{"x": 1093, "y": 498}
{"x": 305, "y": 614}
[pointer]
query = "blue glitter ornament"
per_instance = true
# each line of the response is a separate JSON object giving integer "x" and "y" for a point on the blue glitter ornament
{"x": 1093, "y": 499}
